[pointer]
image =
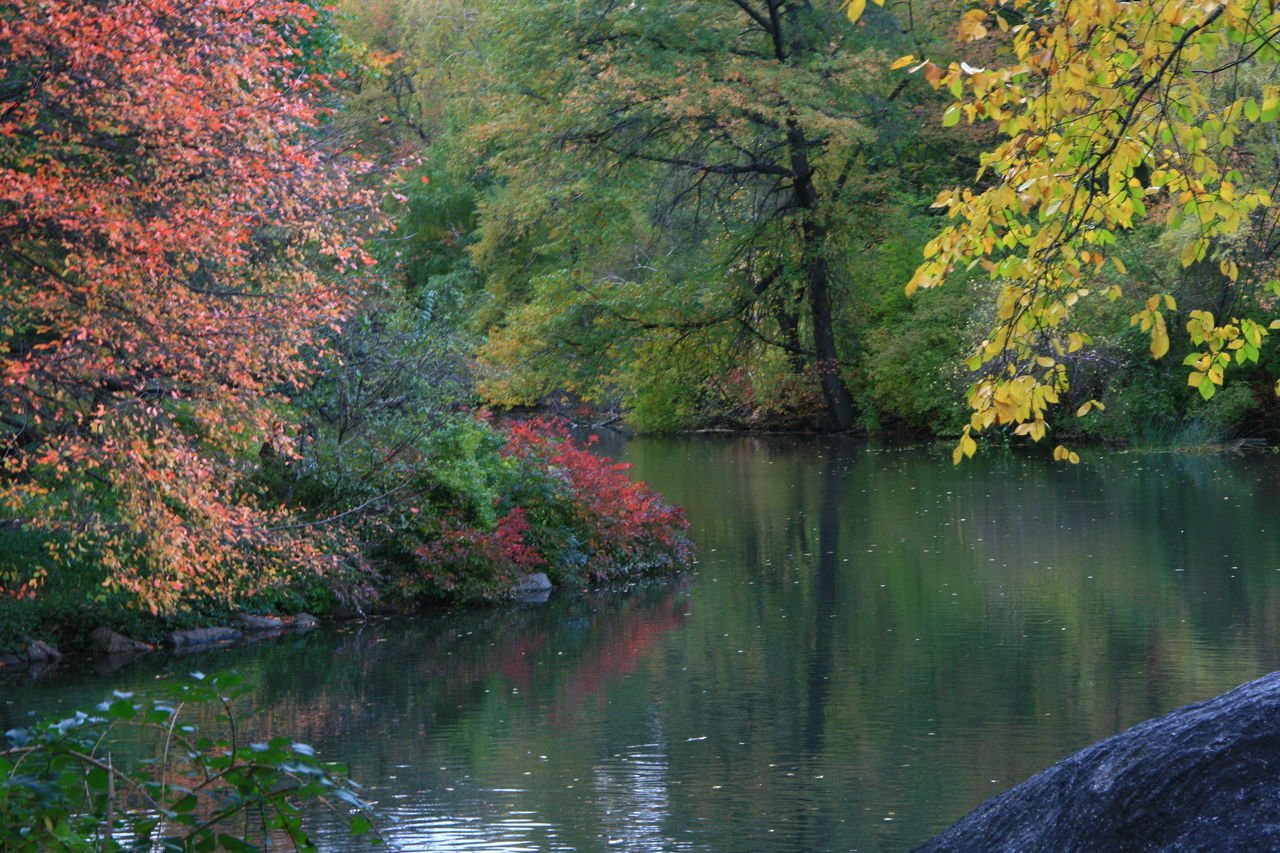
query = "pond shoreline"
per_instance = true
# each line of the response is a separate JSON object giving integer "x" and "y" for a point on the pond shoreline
{"x": 107, "y": 650}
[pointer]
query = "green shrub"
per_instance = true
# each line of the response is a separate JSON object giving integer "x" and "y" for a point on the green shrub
{"x": 140, "y": 773}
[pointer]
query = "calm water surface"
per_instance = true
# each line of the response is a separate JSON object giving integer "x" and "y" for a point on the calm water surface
{"x": 872, "y": 643}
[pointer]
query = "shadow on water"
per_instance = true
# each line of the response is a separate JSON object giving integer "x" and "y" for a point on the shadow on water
{"x": 873, "y": 642}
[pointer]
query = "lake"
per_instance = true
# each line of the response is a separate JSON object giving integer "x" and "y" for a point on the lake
{"x": 871, "y": 643}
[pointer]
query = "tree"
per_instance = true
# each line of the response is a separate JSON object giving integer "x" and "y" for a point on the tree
{"x": 679, "y": 184}
{"x": 179, "y": 242}
{"x": 1114, "y": 113}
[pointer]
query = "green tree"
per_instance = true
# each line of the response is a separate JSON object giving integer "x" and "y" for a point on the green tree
{"x": 681, "y": 189}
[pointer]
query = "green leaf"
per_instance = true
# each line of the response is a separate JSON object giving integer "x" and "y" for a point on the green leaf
{"x": 1270, "y": 108}
{"x": 97, "y": 779}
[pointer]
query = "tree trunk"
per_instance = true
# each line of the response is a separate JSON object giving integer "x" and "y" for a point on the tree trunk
{"x": 786, "y": 312}
{"x": 818, "y": 282}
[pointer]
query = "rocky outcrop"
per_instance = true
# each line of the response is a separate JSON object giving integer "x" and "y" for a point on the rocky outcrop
{"x": 1201, "y": 778}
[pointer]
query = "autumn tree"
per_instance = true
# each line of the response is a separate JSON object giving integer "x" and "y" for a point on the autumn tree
{"x": 179, "y": 241}
{"x": 681, "y": 185}
{"x": 1113, "y": 114}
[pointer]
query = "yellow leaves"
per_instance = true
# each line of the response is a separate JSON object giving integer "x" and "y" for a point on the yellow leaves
{"x": 972, "y": 26}
{"x": 902, "y": 62}
{"x": 1088, "y": 406}
{"x": 1035, "y": 429}
{"x": 1201, "y": 326}
{"x": 1270, "y": 105}
{"x": 856, "y": 7}
{"x": 1194, "y": 252}
{"x": 1106, "y": 109}
{"x": 965, "y": 447}
{"x": 1236, "y": 340}
{"x": 1159, "y": 338}
{"x": 1151, "y": 318}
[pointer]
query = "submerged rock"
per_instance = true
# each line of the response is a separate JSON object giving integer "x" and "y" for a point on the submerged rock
{"x": 108, "y": 642}
{"x": 1200, "y": 778}
{"x": 201, "y": 636}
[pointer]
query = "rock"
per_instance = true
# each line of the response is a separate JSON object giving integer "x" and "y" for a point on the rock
{"x": 535, "y": 587}
{"x": 201, "y": 636}
{"x": 41, "y": 652}
{"x": 1201, "y": 778}
{"x": 304, "y": 622}
{"x": 108, "y": 642}
{"x": 251, "y": 623}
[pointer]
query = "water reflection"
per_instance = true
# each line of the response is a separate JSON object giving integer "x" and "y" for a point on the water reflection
{"x": 874, "y": 641}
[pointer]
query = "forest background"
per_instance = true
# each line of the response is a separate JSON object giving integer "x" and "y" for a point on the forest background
{"x": 674, "y": 215}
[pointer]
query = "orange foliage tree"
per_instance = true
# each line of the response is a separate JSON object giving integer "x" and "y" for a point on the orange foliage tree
{"x": 178, "y": 239}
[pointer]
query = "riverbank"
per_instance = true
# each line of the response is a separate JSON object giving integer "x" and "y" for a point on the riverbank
{"x": 470, "y": 513}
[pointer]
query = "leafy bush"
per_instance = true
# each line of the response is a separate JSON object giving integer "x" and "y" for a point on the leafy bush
{"x": 561, "y": 508}
{"x": 139, "y": 774}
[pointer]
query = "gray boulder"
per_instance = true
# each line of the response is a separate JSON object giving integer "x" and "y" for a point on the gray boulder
{"x": 251, "y": 623}
{"x": 202, "y": 636}
{"x": 39, "y": 651}
{"x": 533, "y": 587}
{"x": 108, "y": 642}
{"x": 1201, "y": 778}
{"x": 304, "y": 622}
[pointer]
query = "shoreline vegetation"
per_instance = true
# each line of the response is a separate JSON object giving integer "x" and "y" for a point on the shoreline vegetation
{"x": 495, "y": 513}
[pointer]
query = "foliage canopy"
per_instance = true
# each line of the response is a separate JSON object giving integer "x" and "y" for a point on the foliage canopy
{"x": 178, "y": 244}
{"x": 1112, "y": 113}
